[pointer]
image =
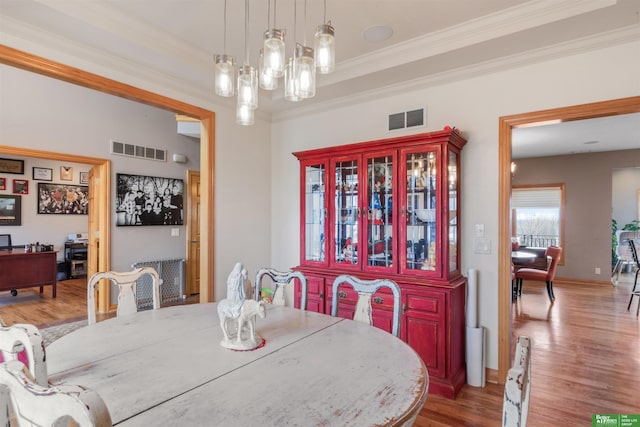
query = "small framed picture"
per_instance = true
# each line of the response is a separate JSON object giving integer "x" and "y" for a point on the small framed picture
{"x": 20, "y": 186}
{"x": 3, "y": 183}
{"x": 42, "y": 174}
{"x": 84, "y": 177}
{"x": 66, "y": 173}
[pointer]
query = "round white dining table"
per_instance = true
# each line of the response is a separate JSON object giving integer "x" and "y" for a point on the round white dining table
{"x": 166, "y": 367}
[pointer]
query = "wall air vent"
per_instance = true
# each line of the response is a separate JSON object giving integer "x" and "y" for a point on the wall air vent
{"x": 130, "y": 150}
{"x": 407, "y": 119}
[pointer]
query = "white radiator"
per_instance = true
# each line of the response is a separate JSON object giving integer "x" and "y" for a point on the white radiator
{"x": 173, "y": 275}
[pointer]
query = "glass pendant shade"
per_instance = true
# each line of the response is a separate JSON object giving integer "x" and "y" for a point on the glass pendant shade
{"x": 245, "y": 116}
{"x": 325, "y": 48}
{"x": 290, "y": 82}
{"x": 267, "y": 81}
{"x": 248, "y": 87}
{"x": 274, "y": 58}
{"x": 305, "y": 72}
{"x": 224, "y": 76}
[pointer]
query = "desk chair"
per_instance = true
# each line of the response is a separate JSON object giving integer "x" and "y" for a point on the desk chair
{"x": 24, "y": 343}
{"x": 281, "y": 279}
{"x": 547, "y": 275}
{"x": 126, "y": 281}
{"x": 635, "y": 291}
{"x": 517, "y": 388}
{"x": 366, "y": 289}
{"x": 34, "y": 404}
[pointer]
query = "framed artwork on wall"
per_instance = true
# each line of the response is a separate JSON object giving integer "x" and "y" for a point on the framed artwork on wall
{"x": 66, "y": 173}
{"x": 42, "y": 174}
{"x": 12, "y": 166}
{"x": 10, "y": 210}
{"x": 20, "y": 186}
{"x": 63, "y": 199}
{"x": 148, "y": 200}
{"x": 84, "y": 177}
{"x": 3, "y": 183}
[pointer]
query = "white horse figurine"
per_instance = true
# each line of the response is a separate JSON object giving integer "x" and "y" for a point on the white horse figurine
{"x": 240, "y": 310}
{"x": 244, "y": 337}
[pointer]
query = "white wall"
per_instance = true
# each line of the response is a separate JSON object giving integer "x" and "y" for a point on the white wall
{"x": 474, "y": 106}
{"x": 626, "y": 195}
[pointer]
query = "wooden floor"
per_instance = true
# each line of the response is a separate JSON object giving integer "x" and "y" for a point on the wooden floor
{"x": 585, "y": 356}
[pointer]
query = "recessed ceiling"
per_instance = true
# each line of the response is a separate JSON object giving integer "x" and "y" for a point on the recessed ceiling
{"x": 169, "y": 44}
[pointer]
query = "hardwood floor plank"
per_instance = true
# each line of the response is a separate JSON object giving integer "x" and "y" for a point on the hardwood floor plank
{"x": 585, "y": 355}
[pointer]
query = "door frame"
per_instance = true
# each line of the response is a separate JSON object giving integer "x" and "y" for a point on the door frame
{"x": 36, "y": 64}
{"x": 505, "y": 126}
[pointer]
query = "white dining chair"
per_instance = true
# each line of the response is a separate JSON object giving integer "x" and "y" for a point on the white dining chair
{"x": 517, "y": 388}
{"x": 24, "y": 342}
{"x": 126, "y": 281}
{"x": 366, "y": 289}
{"x": 280, "y": 280}
{"x": 35, "y": 405}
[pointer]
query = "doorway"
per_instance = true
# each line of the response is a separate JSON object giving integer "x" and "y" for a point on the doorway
{"x": 506, "y": 125}
{"x": 39, "y": 65}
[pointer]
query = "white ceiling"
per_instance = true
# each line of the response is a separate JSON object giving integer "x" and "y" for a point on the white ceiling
{"x": 172, "y": 43}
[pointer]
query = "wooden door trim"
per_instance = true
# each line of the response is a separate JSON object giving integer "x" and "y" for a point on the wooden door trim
{"x": 505, "y": 125}
{"x": 43, "y": 66}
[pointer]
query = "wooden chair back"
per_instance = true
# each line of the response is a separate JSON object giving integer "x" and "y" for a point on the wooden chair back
{"x": 24, "y": 342}
{"x": 126, "y": 281}
{"x": 553, "y": 252}
{"x": 517, "y": 388}
{"x": 281, "y": 279}
{"x": 54, "y": 406}
{"x": 366, "y": 289}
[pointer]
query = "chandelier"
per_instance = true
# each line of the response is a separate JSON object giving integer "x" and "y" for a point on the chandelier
{"x": 297, "y": 71}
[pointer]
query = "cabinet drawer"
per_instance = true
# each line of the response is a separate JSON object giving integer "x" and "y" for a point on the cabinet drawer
{"x": 432, "y": 303}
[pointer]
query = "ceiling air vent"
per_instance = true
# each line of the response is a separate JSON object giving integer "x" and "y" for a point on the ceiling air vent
{"x": 130, "y": 150}
{"x": 407, "y": 119}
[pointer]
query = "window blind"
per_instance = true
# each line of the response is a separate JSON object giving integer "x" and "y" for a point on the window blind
{"x": 539, "y": 197}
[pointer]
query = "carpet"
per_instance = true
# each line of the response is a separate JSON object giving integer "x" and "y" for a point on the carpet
{"x": 52, "y": 333}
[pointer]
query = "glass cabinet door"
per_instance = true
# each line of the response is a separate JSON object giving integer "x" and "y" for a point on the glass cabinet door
{"x": 420, "y": 246}
{"x": 346, "y": 211}
{"x": 452, "y": 185}
{"x": 379, "y": 228}
{"x": 315, "y": 214}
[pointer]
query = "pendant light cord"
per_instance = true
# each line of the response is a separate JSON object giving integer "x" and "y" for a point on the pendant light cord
{"x": 246, "y": 32}
{"x": 224, "y": 36}
{"x": 325, "y": 12}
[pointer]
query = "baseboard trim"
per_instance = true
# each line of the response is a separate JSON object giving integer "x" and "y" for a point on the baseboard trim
{"x": 572, "y": 281}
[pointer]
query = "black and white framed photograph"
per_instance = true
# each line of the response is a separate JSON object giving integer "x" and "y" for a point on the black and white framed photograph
{"x": 42, "y": 174}
{"x": 149, "y": 200}
{"x": 63, "y": 199}
{"x": 10, "y": 210}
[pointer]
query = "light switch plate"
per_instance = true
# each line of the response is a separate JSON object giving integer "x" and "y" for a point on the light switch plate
{"x": 479, "y": 230}
{"x": 175, "y": 232}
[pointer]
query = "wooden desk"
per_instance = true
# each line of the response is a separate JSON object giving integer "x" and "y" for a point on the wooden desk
{"x": 22, "y": 269}
{"x": 166, "y": 368}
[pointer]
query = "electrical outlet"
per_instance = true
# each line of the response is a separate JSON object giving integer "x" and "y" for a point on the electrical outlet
{"x": 175, "y": 232}
{"x": 597, "y": 270}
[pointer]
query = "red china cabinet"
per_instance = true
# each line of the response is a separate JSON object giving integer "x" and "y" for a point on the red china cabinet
{"x": 390, "y": 209}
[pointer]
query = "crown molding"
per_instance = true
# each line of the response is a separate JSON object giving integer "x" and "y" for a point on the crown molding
{"x": 516, "y": 19}
{"x": 586, "y": 44}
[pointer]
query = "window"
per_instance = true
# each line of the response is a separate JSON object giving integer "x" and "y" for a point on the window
{"x": 537, "y": 215}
